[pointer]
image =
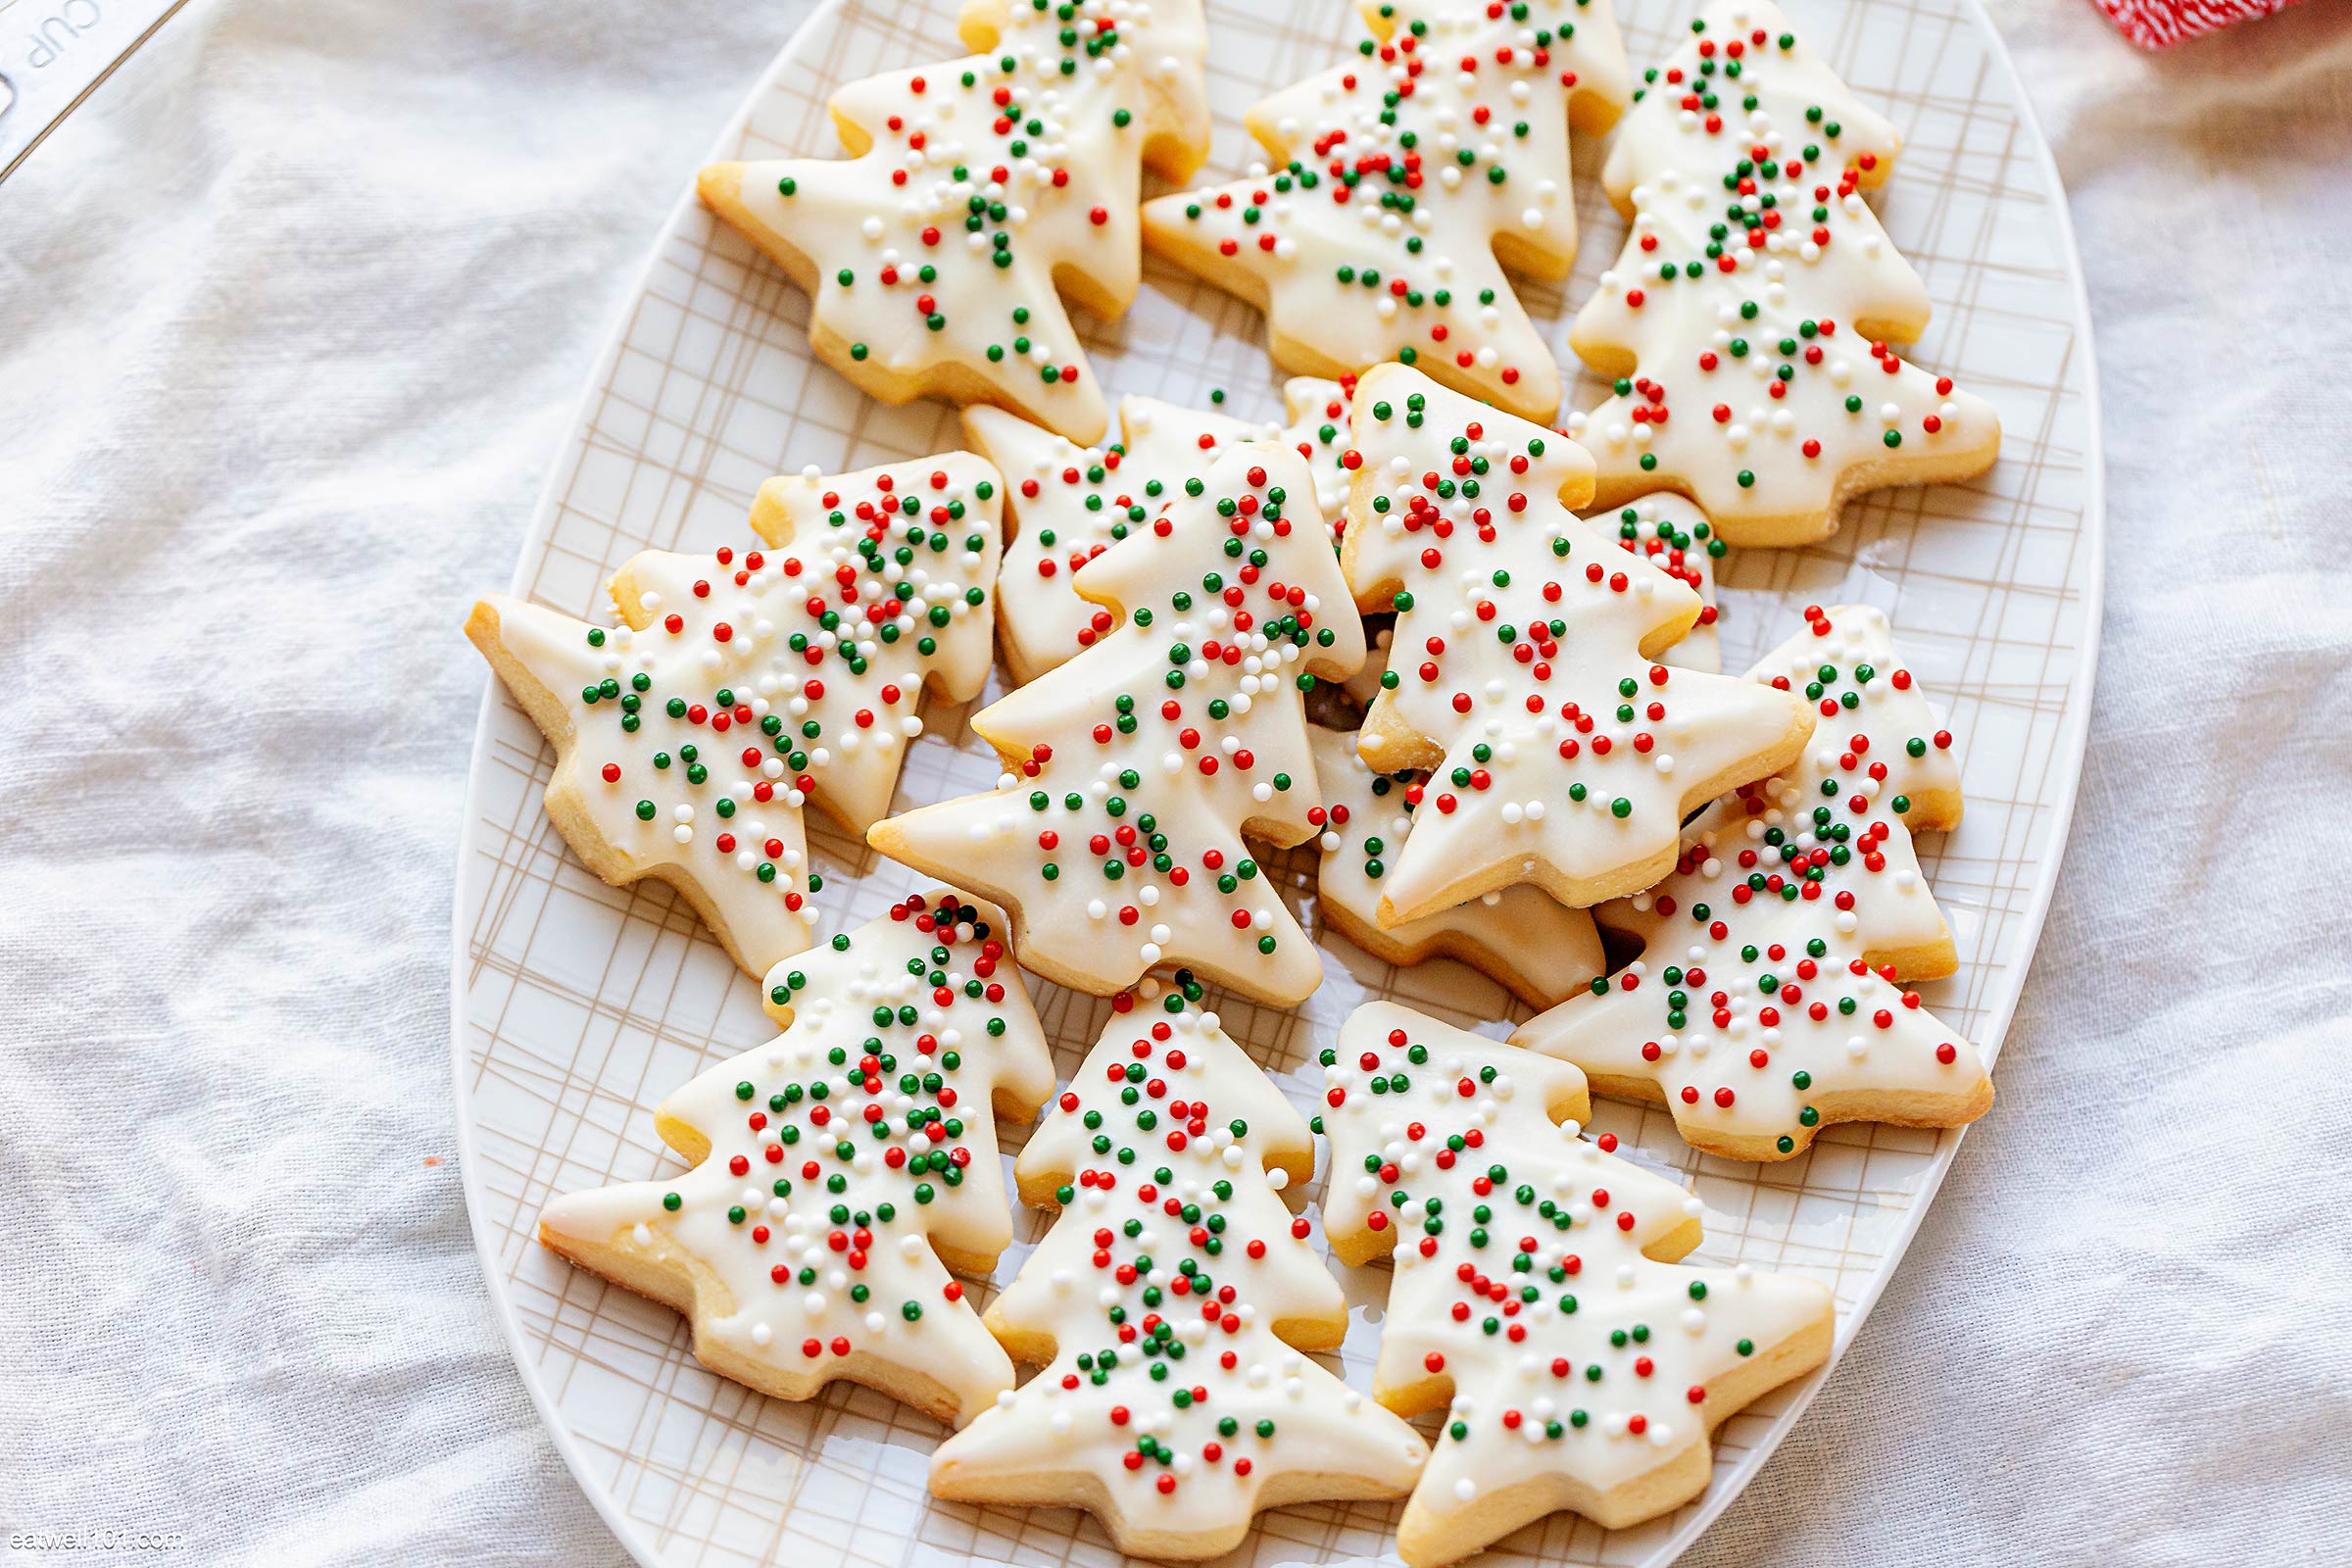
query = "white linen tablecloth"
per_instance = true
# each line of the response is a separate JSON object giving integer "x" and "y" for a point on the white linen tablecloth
{"x": 291, "y": 315}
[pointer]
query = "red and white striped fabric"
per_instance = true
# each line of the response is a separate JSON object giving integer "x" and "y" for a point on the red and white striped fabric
{"x": 2161, "y": 24}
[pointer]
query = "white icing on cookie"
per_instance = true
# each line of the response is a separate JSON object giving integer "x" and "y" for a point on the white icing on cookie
{"x": 1134, "y": 770}
{"x": 1541, "y": 950}
{"x": 838, "y": 1157}
{"x": 1765, "y": 994}
{"x": 933, "y": 251}
{"x": 1535, "y": 1296}
{"x": 1663, "y": 528}
{"x": 1068, "y": 503}
{"x": 738, "y": 685}
{"x": 1524, "y": 664}
{"x": 1398, "y": 185}
{"x": 1174, "y": 1296}
{"x": 1672, "y": 534}
{"x": 1748, "y": 314}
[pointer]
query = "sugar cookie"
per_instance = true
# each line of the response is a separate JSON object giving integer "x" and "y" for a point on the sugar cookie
{"x": 1398, "y": 188}
{"x": 839, "y": 1167}
{"x": 1134, "y": 770}
{"x": 1538, "y": 1298}
{"x": 976, "y": 188}
{"x": 1068, "y": 503}
{"x": 1746, "y": 320}
{"x": 1663, "y": 528}
{"x": 1526, "y": 664}
{"x": 1764, "y": 1005}
{"x": 1169, "y": 1307}
{"x": 1536, "y": 949}
{"x": 737, "y": 686}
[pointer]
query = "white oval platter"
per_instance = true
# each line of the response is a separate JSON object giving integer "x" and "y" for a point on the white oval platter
{"x": 577, "y": 1006}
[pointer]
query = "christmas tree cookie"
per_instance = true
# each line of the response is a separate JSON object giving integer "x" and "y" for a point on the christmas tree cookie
{"x": 1525, "y": 667}
{"x": 1538, "y": 951}
{"x": 737, "y": 686}
{"x": 1133, "y": 772}
{"x": 1399, "y": 186}
{"x": 1766, "y": 1003}
{"x": 1069, "y": 503}
{"x": 1747, "y": 320}
{"x": 1666, "y": 531}
{"x": 1538, "y": 1298}
{"x": 976, "y": 189}
{"x": 842, "y": 1169}
{"x": 1170, "y": 1306}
